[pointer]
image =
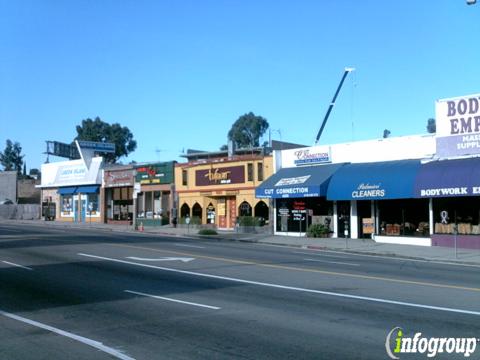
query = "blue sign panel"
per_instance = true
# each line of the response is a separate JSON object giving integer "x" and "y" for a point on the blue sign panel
{"x": 97, "y": 146}
{"x": 449, "y": 178}
{"x": 301, "y": 182}
{"x": 374, "y": 181}
{"x": 288, "y": 192}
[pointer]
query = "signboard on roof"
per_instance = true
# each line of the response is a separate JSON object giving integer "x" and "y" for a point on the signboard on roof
{"x": 458, "y": 126}
{"x": 220, "y": 176}
{"x": 97, "y": 146}
{"x": 116, "y": 178}
{"x": 313, "y": 155}
{"x": 161, "y": 173}
{"x": 73, "y": 172}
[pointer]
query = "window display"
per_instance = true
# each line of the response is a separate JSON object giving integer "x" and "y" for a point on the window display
{"x": 462, "y": 213}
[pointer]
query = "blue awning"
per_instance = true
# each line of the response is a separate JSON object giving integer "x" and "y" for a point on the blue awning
{"x": 308, "y": 181}
{"x": 374, "y": 181}
{"x": 88, "y": 189}
{"x": 447, "y": 178}
{"x": 67, "y": 190}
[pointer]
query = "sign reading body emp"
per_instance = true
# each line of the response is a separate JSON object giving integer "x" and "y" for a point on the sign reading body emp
{"x": 458, "y": 126}
{"x": 161, "y": 173}
{"x": 220, "y": 176}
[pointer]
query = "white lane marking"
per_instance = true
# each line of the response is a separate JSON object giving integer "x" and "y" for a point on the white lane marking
{"x": 396, "y": 257}
{"x": 83, "y": 340}
{"x": 332, "y": 262}
{"x": 173, "y": 300}
{"x": 190, "y": 246}
{"x": 20, "y": 266}
{"x": 356, "y": 297}
{"x": 10, "y": 230}
{"x": 182, "y": 259}
{"x": 315, "y": 254}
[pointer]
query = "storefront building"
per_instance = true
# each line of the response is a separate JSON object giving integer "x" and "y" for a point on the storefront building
{"x": 420, "y": 190}
{"x": 154, "y": 193}
{"x": 217, "y": 189}
{"x": 73, "y": 189}
{"x": 118, "y": 182}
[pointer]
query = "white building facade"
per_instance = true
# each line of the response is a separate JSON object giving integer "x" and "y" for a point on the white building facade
{"x": 421, "y": 189}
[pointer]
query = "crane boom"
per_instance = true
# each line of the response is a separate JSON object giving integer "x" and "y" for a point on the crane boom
{"x": 332, "y": 104}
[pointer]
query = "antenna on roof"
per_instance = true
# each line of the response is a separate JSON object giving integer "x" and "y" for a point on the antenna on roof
{"x": 332, "y": 104}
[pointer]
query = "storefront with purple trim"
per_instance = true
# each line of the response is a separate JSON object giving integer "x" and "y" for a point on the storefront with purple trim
{"x": 453, "y": 187}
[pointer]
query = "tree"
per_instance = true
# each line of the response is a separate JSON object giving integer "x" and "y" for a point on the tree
{"x": 431, "y": 126}
{"x": 98, "y": 130}
{"x": 386, "y": 133}
{"x": 11, "y": 158}
{"x": 224, "y": 147}
{"x": 247, "y": 130}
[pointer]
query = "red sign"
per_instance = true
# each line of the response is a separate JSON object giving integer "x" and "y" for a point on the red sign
{"x": 298, "y": 205}
{"x": 118, "y": 178}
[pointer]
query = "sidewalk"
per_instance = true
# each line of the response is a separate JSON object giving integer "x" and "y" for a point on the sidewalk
{"x": 357, "y": 246}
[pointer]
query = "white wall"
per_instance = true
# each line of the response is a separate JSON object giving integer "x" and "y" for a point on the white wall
{"x": 389, "y": 149}
{"x": 74, "y": 172}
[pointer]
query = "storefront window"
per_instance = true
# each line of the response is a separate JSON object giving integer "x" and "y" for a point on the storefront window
{"x": 157, "y": 205}
{"x": 184, "y": 211}
{"x": 250, "y": 172}
{"x": 260, "y": 171}
{"x": 462, "y": 211}
{"x": 197, "y": 212}
{"x": 92, "y": 204}
{"x": 261, "y": 212}
{"x": 140, "y": 207}
{"x": 149, "y": 204}
{"x": 245, "y": 209}
{"x": 211, "y": 214}
{"x": 184, "y": 177}
{"x": 295, "y": 215}
{"x": 404, "y": 217}
{"x": 120, "y": 203}
{"x": 67, "y": 204}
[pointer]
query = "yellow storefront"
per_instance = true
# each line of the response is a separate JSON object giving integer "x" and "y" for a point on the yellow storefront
{"x": 219, "y": 190}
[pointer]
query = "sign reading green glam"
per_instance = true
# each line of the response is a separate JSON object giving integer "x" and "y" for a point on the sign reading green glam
{"x": 159, "y": 173}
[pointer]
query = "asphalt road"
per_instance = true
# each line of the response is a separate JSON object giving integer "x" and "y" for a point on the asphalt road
{"x": 79, "y": 294}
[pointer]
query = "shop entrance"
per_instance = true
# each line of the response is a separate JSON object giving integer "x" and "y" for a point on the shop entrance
{"x": 343, "y": 219}
{"x": 364, "y": 212}
{"x": 227, "y": 212}
{"x": 211, "y": 215}
{"x": 79, "y": 209}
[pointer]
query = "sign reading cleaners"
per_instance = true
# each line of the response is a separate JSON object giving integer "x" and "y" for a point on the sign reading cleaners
{"x": 458, "y": 126}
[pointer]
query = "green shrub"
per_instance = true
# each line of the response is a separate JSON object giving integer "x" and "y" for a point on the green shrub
{"x": 207, "y": 232}
{"x": 317, "y": 230}
{"x": 248, "y": 221}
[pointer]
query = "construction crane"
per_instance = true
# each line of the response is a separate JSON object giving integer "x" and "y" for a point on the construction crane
{"x": 332, "y": 104}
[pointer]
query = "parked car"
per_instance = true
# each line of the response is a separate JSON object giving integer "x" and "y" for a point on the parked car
{"x": 6, "y": 202}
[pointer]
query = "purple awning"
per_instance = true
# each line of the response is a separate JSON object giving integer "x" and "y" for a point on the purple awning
{"x": 448, "y": 178}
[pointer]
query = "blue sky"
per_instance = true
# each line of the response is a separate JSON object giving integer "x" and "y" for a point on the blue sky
{"x": 179, "y": 73}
